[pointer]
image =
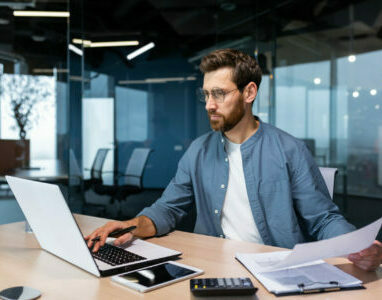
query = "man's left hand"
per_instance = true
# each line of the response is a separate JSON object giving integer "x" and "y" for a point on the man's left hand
{"x": 368, "y": 259}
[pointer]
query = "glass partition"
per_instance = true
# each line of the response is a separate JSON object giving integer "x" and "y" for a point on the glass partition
{"x": 33, "y": 95}
{"x": 320, "y": 66}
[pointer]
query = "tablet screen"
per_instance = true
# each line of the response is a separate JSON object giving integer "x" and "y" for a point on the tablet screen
{"x": 155, "y": 275}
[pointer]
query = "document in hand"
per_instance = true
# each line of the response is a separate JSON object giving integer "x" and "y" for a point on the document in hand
{"x": 338, "y": 246}
{"x": 302, "y": 269}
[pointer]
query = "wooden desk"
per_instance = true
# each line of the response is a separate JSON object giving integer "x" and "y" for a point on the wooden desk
{"x": 22, "y": 262}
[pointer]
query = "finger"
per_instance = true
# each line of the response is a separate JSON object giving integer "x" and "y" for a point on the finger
{"x": 367, "y": 265}
{"x": 373, "y": 250}
{"x": 93, "y": 236}
{"x": 102, "y": 240}
{"x": 123, "y": 239}
{"x": 369, "y": 257}
{"x": 354, "y": 257}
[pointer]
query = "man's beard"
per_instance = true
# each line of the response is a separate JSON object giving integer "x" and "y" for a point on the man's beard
{"x": 226, "y": 123}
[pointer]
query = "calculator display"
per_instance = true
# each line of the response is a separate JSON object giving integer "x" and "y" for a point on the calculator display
{"x": 157, "y": 274}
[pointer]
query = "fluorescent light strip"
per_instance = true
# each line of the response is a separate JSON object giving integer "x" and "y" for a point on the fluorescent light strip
{"x": 113, "y": 44}
{"x": 88, "y": 43}
{"x": 79, "y": 78}
{"x": 76, "y": 50}
{"x": 37, "y": 70}
{"x": 140, "y": 51}
{"x": 158, "y": 80}
{"x": 31, "y": 13}
{"x": 80, "y": 42}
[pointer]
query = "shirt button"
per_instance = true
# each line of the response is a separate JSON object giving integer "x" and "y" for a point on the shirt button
{"x": 226, "y": 159}
{"x": 222, "y": 140}
{"x": 216, "y": 211}
{"x": 222, "y": 186}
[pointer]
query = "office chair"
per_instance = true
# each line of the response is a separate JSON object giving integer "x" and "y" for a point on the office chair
{"x": 96, "y": 169}
{"x": 91, "y": 207}
{"x": 329, "y": 175}
{"x": 131, "y": 181}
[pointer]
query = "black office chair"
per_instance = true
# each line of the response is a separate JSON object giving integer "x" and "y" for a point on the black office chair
{"x": 131, "y": 181}
{"x": 94, "y": 207}
{"x": 96, "y": 169}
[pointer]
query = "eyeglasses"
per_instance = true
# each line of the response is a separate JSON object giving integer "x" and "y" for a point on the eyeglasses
{"x": 217, "y": 94}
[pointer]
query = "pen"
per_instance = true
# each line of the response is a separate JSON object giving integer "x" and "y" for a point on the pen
{"x": 116, "y": 233}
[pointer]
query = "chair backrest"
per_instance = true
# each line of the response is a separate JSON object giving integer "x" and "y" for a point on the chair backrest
{"x": 99, "y": 160}
{"x": 136, "y": 166}
{"x": 329, "y": 175}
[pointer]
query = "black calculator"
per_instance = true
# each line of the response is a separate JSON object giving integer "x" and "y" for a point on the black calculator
{"x": 222, "y": 286}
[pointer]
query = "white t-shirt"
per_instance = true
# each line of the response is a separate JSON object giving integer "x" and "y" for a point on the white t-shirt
{"x": 237, "y": 220}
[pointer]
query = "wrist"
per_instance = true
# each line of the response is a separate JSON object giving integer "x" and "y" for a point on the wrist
{"x": 145, "y": 226}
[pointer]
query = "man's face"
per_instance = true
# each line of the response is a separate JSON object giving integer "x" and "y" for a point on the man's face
{"x": 225, "y": 115}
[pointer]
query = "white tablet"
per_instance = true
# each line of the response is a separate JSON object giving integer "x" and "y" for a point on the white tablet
{"x": 156, "y": 276}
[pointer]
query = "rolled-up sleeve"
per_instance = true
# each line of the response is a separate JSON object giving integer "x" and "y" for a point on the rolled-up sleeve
{"x": 175, "y": 202}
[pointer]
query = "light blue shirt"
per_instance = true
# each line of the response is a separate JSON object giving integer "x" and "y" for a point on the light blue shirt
{"x": 287, "y": 194}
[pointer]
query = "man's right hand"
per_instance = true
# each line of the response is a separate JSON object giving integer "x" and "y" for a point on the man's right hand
{"x": 145, "y": 228}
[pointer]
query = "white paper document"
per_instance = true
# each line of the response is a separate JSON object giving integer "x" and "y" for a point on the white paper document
{"x": 308, "y": 252}
{"x": 318, "y": 275}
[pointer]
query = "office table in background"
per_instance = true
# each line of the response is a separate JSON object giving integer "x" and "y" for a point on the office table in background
{"x": 46, "y": 170}
{"x": 22, "y": 262}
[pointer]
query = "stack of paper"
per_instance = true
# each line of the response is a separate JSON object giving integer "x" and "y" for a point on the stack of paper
{"x": 302, "y": 270}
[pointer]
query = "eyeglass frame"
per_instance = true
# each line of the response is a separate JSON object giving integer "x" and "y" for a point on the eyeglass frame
{"x": 204, "y": 95}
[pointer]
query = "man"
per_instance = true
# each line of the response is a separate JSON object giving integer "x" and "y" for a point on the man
{"x": 249, "y": 180}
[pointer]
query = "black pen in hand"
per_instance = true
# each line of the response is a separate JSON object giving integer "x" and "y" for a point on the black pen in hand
{"x": 116, "y": 233}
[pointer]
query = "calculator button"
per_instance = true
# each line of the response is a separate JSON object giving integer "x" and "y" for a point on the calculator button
{"x": 228, "y": 281}
{"x": 236, "y": 282}
{"x": 221, "y": 282}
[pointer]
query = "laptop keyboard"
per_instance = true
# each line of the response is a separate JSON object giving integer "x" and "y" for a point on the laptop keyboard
{"x": 114, "y": 256}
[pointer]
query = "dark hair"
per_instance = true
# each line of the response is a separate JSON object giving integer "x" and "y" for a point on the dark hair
{"x": 245, "y": 68}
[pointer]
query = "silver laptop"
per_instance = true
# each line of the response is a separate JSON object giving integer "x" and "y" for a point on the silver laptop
{"x": 56, "y": 230}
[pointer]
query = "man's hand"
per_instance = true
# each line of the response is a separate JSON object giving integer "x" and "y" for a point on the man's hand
{"x": 368, "y": 259}
{"x": 145, "y": 228}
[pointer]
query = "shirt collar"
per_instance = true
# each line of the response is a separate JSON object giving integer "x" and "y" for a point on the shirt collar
{"x": 249, "y": 142}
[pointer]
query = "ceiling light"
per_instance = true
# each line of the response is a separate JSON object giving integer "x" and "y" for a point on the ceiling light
{"x": 31, "y": 13}
{"x": 352, "y": 58}
{"x": 355, "y": 94}
{"x": 37, "y": 70}
{"x": 377, "y": 106}
{"x": 158, "y": 80}
{"x": 317, "y": 80}
{"x": 373, "y": 92}
{"x": 75, "y": 50}
{"x": 140, "y": 51}
{"x": 113, "y": 44}
{"x": 80, "y": 42}
{"x": 88, "y": 43}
